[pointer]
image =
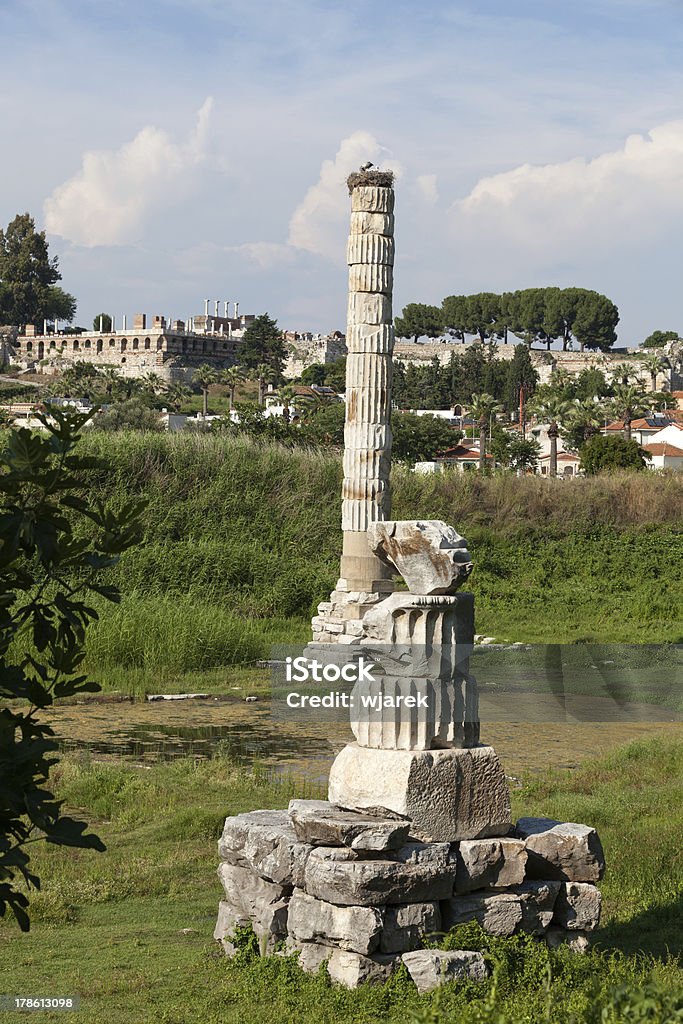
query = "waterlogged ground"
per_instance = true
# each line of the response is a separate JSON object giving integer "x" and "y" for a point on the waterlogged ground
{"x": 148, "y": 732}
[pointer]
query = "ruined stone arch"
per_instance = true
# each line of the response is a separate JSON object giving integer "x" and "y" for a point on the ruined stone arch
{"x": 87, "y": 343}
{"x": 160, "y": 343}
{"x": 147, "y": 344}
{"x": 41, "y": 349}
{"x": 112, "y": 343}
{"x": 124, "y": 344}
{"x": 99, "y": 344}
{"x": 77, "y": 345}
{"x": 29, "y": 346}
{"x": 136, "y": 344}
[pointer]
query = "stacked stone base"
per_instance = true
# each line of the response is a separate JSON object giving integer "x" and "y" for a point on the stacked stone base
{"x": 358, "y": 891}
{"x": 340, "y": 620}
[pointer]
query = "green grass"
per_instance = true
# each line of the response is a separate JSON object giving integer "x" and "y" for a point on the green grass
{"x": 109, "y": 926}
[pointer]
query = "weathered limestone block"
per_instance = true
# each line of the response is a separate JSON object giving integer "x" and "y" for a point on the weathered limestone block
{"x": 319, "y": 823}
{"x": 527, "y": 907}
{"x": 370, "y": 249}
{"x": 371, "y": 277}
{"x": 228, "y": 920}
{"x": 577, "y": 942}
{"x": 370, "y": 337}
{"x": 430, "y": 968}
{"x": 405, "y": 926}
{"x": 562, "y": 850}
{"x": 367, "y": 405}
{"x": 431, "y": 556}
{"x": 366, "y": 308}
{"x": 264, "y": 842}
{"x": 537, "y": 901}
{"x": 367, "y": 436}
{"x": 373, "y": 199}
{"x": 416, "y": 874}
{"x": 353, "y": 969}
{"x": 448, "y": 794}
{"x": 489, "y": 863}
{"x": 250, "y": 898}
{"x": 352, "y": 928}
{"x": 368, "y": 371}
{"x": 373, "y": 464}
{"x": 578, "y": 906}
{"x": 497, "y": 913}
{"x": 364, "y": 223}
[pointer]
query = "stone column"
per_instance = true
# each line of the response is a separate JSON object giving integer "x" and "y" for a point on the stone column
{"x": 366, "y": 496}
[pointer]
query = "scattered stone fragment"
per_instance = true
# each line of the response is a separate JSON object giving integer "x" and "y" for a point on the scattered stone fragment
{"x": 485, "y": 863}
{"x": 431, "y": 556}
{"x": 497, "y": 913}
{"x": 406, "y": 926}
{"x": 577, "y": 942}
{"x": 356, "y": 929}
{"x": 430, "y": 968}
{"x": 320, "y": 823}
{"x": 352, "y": 969}
{"x": 266, "y": 843}
{"x": 578, "y": 906}
{"x": 417, "y": 874}
{"x": 561, "y": 850}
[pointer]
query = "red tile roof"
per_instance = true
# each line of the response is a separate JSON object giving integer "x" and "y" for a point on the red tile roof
{"x": 663, "y": 448}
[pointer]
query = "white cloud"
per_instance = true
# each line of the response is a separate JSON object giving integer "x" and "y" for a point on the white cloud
{"x": 107, "y": 201}
{"x": 318, "y": 224}
{"x": 265, "y": 254}
{"x": 629, "y": 193}
{"x": 427, "y": 188}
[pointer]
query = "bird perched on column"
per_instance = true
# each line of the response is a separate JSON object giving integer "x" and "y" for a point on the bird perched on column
{"x": 367, "y": 166}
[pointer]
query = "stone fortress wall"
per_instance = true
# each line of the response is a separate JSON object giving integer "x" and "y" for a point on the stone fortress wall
{"x": 544, "y": 361}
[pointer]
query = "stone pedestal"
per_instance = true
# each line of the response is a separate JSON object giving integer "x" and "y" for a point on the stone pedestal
{"x": 446, "y": 794}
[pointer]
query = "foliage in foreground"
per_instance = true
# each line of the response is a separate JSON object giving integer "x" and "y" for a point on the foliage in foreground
{"x": 45, "y": 575}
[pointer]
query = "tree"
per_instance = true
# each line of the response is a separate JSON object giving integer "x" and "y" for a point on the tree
{"x": 28, "y": 290}
{"x": 628, "y": 403}
{"x": 313, "y": 374}
{"x": 54, "y": 546}
{"x": 102, "y": 322}
{"x": 204, "y": 376}
{"x": 454, "y": 315}
{"x": 420, "y": 438}
{"x": 484, "y": 409}
{"x": 521, "y": 376}
{"x": 418, "y": 320}
{"x": 595, "y": 322}
{"x": 482, "y": 312}
{"x": 583, "y": 422}
{"x": 335, "y": 374}
{"x": 604, "y": 454}
{"x": 562, "y": 306}
{"x": 658, "y": 339}
{"x": 324, "y": 425}
{"x": 523, "y": 454}
{"x": 554, "y": 411}
{"x": 653, "y": 363}
{"x": 232, "y": 377}
{"x": 177, "y": 393}
{"x": 287, "y": 396}
{"x": 262, "y": 342}
{"x": 263, "y": 374}
{"x": 132, "y": 414}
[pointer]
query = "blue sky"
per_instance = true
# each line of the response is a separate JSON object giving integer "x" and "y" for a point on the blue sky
{"x": 182, "y": 149}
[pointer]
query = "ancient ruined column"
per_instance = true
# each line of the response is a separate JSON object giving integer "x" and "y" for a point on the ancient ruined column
{"x": 366, "y": 496}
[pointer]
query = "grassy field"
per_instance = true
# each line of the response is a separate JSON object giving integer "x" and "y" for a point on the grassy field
{"x": 130, "y": 930}
{"x": 242, "y": 541}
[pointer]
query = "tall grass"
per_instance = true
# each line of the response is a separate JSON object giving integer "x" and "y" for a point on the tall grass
{"x": 242, "y": 540}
